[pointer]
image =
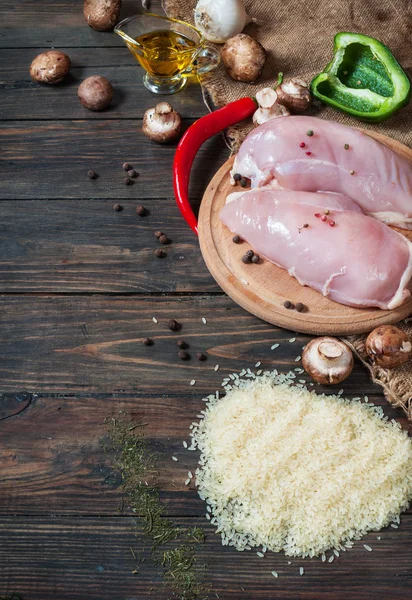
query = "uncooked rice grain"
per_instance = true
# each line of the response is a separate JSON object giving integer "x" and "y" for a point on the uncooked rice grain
{"x": 250, "y": 468}
{"x": 301, "y": 570}
{"x": 297, "y": 359}
{"x": 368, "y": 548}
{"x": 275, "y": 574}
{"x": 155, "y": 320}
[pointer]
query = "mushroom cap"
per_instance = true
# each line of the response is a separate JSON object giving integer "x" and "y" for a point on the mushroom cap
{"x": 95, "y": 92}
{"x": 243, "y": 57}
{"x": 162, "y": 124}
{"x": 102, "y": 15}
{"x": 388, "y": 346}
{"x": 327, "y": 360}
{"x": 294, "y": 93}
{"x": 50, "y": 67}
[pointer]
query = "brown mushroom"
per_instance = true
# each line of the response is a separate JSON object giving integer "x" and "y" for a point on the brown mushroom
{"x": 243, "y": 57}
{"x": 388, "y": 347}
{"x": 50, "y": 67}
{"x": 269, "y": 107}
{"x": 162, "y": 124}
{"x": 95, "y": 92}
{"x": 294, "y": 93}
{"x": 327, "y": 360}
{"x": 102, "y": 15}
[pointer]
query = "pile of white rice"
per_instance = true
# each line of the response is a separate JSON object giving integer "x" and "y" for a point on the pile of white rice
{"x": 286, "y": 469}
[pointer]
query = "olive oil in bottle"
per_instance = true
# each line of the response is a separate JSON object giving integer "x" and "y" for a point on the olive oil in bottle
{"x": 166, "y": 53}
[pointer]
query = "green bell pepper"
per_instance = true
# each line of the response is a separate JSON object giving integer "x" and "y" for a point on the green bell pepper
{"x": 363, "y": 79}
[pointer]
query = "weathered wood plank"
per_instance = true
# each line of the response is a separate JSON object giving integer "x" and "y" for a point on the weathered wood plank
{"x": 22, "y": 97}
{"x": 85, "y": 246}
{"x": 57, "y": 23}
{"x": 78, "y": 558}
{"x": 93, "y": 344}
{"x": 54, "y": 460}
{"x": 51, "y": 160}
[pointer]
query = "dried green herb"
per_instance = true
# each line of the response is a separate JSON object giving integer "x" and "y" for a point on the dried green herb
{"x": 137, "y": 463}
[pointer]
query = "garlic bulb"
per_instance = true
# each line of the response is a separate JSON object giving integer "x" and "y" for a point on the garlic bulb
{"x": 219, "y": 20}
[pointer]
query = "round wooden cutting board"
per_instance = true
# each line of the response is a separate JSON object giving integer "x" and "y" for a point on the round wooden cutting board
{"x": 263, "y": 288}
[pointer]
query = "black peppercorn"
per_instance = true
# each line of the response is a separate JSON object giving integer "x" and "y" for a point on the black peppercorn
{"x": 158, "y": 234}
{"x": 246, "y": 259}
{"x": 163, "y": 239}
{"x": 182, "y": 344}
{"x": 236, "y": 239}
{"x": 173, "y": 325}
{"x": 117, "y": 207}
{"x": 91, "y": 174}
{"x": 249, "y": 253}
{"x": 159, "y": 253}
{"x": 126, "y": 166}
{"x": 127, "y": 181}
{"x": 243, "y": 182}
{"x": 148, "y": 341}
{"x": 183, "y": 355}
{"x": 132, "y": 173}
{"x": 141, "y": 211}
{"x": 255, "y": 258}
{"x": 288, "y": 304}
{"x": 237, "y": 176}
{"x": 200, "y": 356}
{"x": 300, "y": 307}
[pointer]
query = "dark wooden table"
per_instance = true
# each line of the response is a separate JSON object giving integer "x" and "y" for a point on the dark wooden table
{"x": 79, "y": 287}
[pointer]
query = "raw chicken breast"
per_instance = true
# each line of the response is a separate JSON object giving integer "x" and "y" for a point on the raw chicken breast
{"x": 358, "y": 262}
{"x": 374, "y": 176}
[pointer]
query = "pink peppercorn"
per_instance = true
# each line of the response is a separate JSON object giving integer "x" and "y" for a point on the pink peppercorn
{"x": 308, "y": 152}
{"x": 324, "y": 218}
{"x": 302, "y": 144}
{"x": 317, "y": 215}
{"x": 332, "y": 223}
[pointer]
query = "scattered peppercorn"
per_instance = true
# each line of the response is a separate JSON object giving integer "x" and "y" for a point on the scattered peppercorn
{"x": 327, "y": 211}
{"x": 126, "y": 166}
{"x": 246, "y": 259}
{"x": 117, "y": 207}
{"x": 255, "y": 259}
{"x": 309, "y": 133}
{"x": 183, "y": 355}
{"x": 127, "y": 181}
{"x": 141, "y": 211}
{"x": 158, "y": 234}
{"x": 346, "y": 146}
{"x": 324, "y": 218}
{"x": 332, "y": 223}
{"x": 237, "y": 176}
{"x": 352, "y": 172}
{"x": 91, "y": 174}
{"x": 173, "y": 325}
{"x": 159, "y": 253}
{"x": 300, "y": 307}
{"x": 182, "y": 344}
{"x": 163, "y": 239}
{"x": 308, "y": 152}
{"x": 148, "y": 341}
{"x": 249, "y": 253}
{"x": 243, "y": 182}
{"x": 200, "y": 356}
{"x": 236, "y": 239}
{"x": 317, "y": 215}
{"x": 288, "y": 304}
{"x": 302, "y": 144}
{"x": 131, "y": 173}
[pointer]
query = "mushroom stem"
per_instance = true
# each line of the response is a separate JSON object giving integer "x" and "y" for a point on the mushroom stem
{"x": 327, "y": 360}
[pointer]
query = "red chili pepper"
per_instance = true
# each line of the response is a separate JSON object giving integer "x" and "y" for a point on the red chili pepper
{"x": 191, "y": 141}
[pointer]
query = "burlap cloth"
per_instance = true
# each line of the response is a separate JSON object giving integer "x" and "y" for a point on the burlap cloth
{"x": 298, "y": 38}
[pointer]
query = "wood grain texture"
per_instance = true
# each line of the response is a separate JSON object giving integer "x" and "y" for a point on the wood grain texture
{"x": 262, "y": 289}
{"x": 58, "y": 24}
{"x": 51, "y": 160}
{"x": 93, "y": 344}
{"x": 85, "y": 246}
{"x": 22, "y": 97}
{"x": 90, "y": 558}
{"x": 46, "y": 470}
